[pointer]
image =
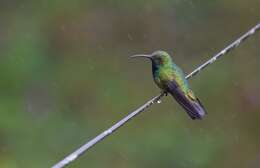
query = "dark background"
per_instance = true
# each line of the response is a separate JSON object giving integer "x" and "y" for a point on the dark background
{"x": 65, "y": 76}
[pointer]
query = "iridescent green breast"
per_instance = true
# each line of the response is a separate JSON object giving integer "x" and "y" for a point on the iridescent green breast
{"x": 157, "y": 78}
{"x": 169, "y": 72}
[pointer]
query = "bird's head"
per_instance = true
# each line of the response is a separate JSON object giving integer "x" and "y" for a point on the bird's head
{"x": 157, "y": 57}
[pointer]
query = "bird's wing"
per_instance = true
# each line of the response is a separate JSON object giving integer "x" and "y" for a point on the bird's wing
{"x": 188, "y": 101}
{"x": 192, "y": 96}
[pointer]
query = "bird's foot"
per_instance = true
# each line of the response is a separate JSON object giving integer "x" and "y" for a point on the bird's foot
{"x": 165, "y": 93}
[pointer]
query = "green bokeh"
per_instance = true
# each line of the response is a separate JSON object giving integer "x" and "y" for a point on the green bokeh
{"x": 65, "y": 76}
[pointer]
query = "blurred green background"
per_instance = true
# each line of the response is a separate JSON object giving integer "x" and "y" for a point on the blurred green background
{"x": 65, "y": 76}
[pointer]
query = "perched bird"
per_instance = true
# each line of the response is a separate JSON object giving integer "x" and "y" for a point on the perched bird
{"x": 170, "y": 78}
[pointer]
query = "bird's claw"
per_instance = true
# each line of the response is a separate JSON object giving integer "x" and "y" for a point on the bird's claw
{"x": 165, "y": 93}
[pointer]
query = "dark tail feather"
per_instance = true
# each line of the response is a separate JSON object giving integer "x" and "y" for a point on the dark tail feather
{"x": 194, "y": 108}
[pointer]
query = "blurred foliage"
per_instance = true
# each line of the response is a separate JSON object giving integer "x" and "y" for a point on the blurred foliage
{"x": 65, "y": 76}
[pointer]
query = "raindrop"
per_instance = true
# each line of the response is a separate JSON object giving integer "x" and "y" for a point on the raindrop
{"x": 213, "y": 60}
{"x": 237, "y": 43}
{"x": 223, "y": 52}
{"x": 158, "y": 101}
{"x": 252, "y": 31}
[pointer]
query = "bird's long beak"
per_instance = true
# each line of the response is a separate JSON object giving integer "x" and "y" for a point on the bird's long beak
{"x": 142, "y": 55}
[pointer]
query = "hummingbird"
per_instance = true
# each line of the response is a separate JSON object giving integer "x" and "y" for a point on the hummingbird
{"x": 170, "y": 79}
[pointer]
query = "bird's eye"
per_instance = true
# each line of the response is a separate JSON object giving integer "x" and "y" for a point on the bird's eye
{"x": 160, "y": 60}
